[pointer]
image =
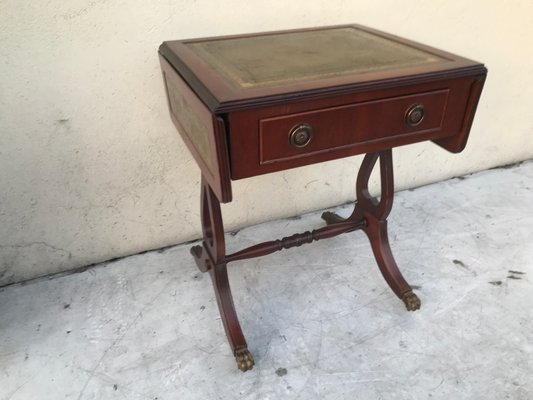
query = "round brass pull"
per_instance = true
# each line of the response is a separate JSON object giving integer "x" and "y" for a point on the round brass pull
{"x": 300, "y": 135}
{"x": 414, "y": 115}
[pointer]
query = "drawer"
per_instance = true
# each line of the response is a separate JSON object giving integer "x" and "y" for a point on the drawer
{"x": 309, "y": 133}
{"x": 344, "y": 125}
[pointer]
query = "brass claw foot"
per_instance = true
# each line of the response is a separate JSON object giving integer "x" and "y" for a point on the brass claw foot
{"x": 244, "y": 359}
{"x": 411, "y": 301}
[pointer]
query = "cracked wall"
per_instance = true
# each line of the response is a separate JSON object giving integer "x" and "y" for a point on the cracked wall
{"x": 91, "y": 167}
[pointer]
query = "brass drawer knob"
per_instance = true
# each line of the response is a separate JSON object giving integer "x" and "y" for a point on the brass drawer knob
{"x": 414, "y": 115}
{"x": 300, "y": 135}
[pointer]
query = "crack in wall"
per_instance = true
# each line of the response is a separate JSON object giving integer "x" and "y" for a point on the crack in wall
{"x": 41, "y": 243}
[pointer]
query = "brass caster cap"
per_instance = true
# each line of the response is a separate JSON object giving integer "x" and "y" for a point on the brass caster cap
{"x": 411, "y": 301}
{"x": 244, "y": 359}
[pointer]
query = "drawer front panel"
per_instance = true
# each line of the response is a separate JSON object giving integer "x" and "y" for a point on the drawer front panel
{"x": 277, "y": 137}
{"x": 346, "y": 126}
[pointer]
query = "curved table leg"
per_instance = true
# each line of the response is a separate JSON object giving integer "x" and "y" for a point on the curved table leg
{"x": 379, "y": 240}
{"x": 219, "y": 276}
{"x": 369, "y": 214}
{"x": 375, "y": 212}
{"x": 211, "y": 257}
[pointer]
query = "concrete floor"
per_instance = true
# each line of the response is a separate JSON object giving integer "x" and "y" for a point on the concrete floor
{"x": 319, "y": 319}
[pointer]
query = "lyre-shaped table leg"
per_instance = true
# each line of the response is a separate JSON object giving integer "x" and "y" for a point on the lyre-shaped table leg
{"x": 210, "y": 257}
{"x": 370, "y": 214}
{"x": 375, "y": 213}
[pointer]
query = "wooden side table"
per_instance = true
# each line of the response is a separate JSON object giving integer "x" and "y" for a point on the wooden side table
{"x": 248, "y": 105}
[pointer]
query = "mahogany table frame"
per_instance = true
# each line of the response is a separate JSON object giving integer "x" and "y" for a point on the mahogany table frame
{"x": 369, "y": 214}
{"x": 203, "y": 103}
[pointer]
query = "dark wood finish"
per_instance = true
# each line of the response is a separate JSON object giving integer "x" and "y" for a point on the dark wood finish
{"x": 350, "y": 124}
{"x": 247, "y": 105}
{"x": 295, "y": 240}
{"x": 346, "y": 126}
{"x": 456, "y": 143}
{"x": 203, "y": 133}
{"x": 345, "y": 109}
{"x": 375, "y": 212}
{"x": 369, "y": 214}
{"x": 211, "y": 257}
{"x": 220, "y": 96}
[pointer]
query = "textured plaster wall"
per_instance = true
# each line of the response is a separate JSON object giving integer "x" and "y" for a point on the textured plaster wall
{"x": 91, "y": 167}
